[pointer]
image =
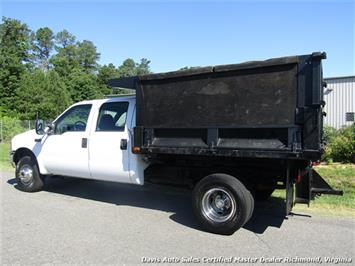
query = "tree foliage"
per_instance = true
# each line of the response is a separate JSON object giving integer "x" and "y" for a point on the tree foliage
{"x": 43, "y": 93}
{"x": 340, "y": 144}
{"x": 43, "y": 44}
{"x": 82, "y": 86}
{"x": 14, "y": 54}
{"x": 87, "y": 55}
{"x": 63, "y": 39}
{"x": 131, "y": 68}
{"x": 105, "y": 73}
{"x": 43, "y": 72}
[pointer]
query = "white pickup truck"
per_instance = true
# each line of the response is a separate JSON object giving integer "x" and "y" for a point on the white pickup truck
{"x": 91, "y": 139}
{"x": 231, "y": 133}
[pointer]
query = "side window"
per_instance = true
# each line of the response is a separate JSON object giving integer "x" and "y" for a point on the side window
{"x": 75, "y": 119}
{"x": 112, "y": 116}
{"x": 350, "y": 117}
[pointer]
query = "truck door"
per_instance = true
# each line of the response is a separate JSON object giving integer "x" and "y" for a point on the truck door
{"x": 65, "y": 151}
{"x": 109, "y": 149}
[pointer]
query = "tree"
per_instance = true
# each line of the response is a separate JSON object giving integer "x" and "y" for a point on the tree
{"x": 82, "y": 86}
{"x": 87, "y": 55}
{"x": 143, "y": 67}
{"x": 128, "y": 68}
{"x": 57, "y": 95}
{"x": 340, "y": 144}
{"x": 44, "y": 72}
{"x": 72, "y": 56}
{"x": 14, "y": 55}
{"x": 43, "y": 43}
{"x": 105, "y": 73}
{"x": 66, "y": 58}
{"x": 131, "y": 68}
{"x": 65, "y": 61}
{"x": 63, "y": 39}
{"x": 42, "y": 92}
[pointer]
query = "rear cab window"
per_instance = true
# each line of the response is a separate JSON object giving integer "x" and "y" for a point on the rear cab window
{"x": 112, "y": 117}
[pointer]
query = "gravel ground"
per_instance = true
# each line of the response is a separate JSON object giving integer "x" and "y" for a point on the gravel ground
{"x": 88, "y": 222}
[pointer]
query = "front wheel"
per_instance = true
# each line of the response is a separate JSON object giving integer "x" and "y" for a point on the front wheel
{"x": 222, "y": 203}
{"x": 27, "y": 175}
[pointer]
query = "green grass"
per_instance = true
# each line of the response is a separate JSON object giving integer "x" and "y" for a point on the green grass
{"x": 4, "y": 157}
{"x": 339, "y": 176}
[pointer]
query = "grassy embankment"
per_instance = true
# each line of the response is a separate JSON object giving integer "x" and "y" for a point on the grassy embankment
{"x": 340, "y": 176}
{"x": 4, "y": 157}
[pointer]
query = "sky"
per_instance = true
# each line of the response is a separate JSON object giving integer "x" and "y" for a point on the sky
{"x": 175, "y": 34}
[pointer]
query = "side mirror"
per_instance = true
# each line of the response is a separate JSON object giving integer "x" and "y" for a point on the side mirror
{"x": 39, "y": 127}
{"x": 51, "y": 127}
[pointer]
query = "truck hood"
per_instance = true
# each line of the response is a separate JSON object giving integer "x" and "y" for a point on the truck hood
{"x": 24, "y": 140}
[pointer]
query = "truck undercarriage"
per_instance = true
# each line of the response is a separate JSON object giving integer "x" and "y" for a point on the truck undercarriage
{"x": 261, "y": 176}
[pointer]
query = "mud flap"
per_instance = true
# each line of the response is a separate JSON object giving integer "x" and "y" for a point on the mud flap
{"x": 311, "y": 185}
{"x": 303, "y": 188}
{"x": 290, "y": 184}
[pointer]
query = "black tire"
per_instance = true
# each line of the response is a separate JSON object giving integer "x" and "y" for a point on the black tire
{"x": 27, "y": 175}
{"x": 222, "y": 220}
{"x": 252, "y": 203}
{"x": 264, "y": 194}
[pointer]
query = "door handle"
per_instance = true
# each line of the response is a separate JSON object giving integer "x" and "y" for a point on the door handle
{"x": 123, "y": 144}
{"x": 84, "y": 142}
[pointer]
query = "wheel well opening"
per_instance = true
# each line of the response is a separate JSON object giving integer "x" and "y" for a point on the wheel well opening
{"x": 23, "y": 152}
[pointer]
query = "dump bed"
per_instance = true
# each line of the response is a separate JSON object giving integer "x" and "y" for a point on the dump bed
{"x": 269, "y": 108}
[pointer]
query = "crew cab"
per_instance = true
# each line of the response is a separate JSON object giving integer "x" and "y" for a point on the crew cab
{"x": 91, "y": 139}
{"x": 231, "y": 134}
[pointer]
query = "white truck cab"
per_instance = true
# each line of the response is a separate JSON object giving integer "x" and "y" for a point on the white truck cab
{"x": 91, "y": 139}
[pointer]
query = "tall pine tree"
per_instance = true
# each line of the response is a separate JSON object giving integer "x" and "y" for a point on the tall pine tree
{"x": 14, "y": 55}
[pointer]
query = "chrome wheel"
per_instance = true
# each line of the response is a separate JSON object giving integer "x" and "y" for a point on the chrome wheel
{"x": 218, "y": 205}
{"x": 26, "y": 174}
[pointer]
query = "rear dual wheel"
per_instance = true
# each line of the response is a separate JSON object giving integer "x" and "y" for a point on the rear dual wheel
{"x": 222, "y": 203}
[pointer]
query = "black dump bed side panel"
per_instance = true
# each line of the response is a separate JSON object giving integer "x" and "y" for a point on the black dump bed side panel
{"x": 269, "y": 108}
{"x": 253, "y": 97}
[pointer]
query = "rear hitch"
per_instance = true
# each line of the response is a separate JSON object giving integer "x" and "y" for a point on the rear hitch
{"x": 302, "y": 187}
{"x": 320, "y": 186}
{"x": 311, "y": 185}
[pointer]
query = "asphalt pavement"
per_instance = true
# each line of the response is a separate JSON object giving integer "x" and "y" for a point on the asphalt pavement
{"x": 76, "y": 221}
